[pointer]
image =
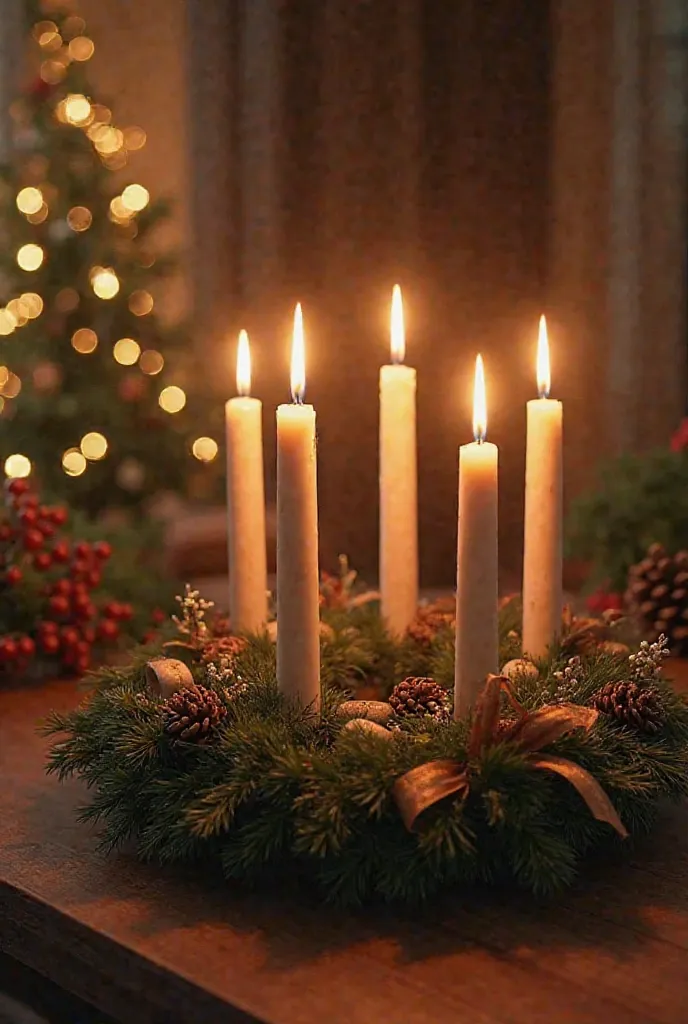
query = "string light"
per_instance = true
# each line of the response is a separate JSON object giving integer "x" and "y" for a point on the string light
{"x": 29, "y": 200}
{"x": 85, "y": 340}
{"x": 77, "y": 109}
{"x": 27, "y": 307}
{"x": 135, "y": 198}
{"x": 126, "y": 351}
{"x": 172, "y": 399}
{"x": 94, "y": 446}
{"x": 140, "y": 303}
{"x": 17, "y": 466}
{"x": 104, "y": 282}
{"x": 30, "y": 256}
{"x": 8, "y": 322}
{"x": 81, "y": 48}
{"x": 151, "y": 362}
{"x": 79, "y": 218}
{"x": 73, "y": 462}
{"x": 205, "y": 449}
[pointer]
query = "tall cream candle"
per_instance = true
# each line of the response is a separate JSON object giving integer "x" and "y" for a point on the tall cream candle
{"x": 542, "y": 547}
{"x": 398, "y": 482}
{"x": 298, "y": 605}
{"x": 248, "y": 588}
{"x": 477, "y": 630}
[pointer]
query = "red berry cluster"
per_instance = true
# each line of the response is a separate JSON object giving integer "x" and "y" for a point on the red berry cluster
{"x": 70, "y": 623}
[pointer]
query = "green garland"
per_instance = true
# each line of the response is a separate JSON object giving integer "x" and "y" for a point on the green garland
{"x": 278, "y": 793}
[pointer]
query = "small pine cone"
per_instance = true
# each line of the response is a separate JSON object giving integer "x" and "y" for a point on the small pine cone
{"x": 429, "y": 620}
{"x": 420, "y": 696}
{"x": 657, "y": 596}
{"x": 631, "y": 704}
{"x": 191, "y": 714}
{"x": 222, "y": 648}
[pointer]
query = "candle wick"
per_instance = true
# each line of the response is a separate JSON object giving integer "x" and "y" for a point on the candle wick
{"x": 297, "y": 400}
{"x": 543, "y": 392}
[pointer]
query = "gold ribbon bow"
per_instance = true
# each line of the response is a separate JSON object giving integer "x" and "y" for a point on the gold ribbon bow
{"x": 428, "y": 784}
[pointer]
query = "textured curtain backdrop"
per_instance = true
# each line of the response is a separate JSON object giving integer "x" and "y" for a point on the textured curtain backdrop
{"x": 357, "y": 145}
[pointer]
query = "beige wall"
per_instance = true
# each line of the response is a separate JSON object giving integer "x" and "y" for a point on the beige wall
{"x": 139, "y": 64}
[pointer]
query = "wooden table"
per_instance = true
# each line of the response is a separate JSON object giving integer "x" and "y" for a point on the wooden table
{"x": 148, "y": 945}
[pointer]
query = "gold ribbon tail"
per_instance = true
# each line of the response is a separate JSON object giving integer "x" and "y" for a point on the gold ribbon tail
{"x": 427, "y": 785}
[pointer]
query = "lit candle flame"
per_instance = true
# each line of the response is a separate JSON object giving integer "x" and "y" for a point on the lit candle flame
{"x": 298, "y": 358}
{"x": 543, "y": 373}
{"x": 397, "y": 335}
{"x": 243, "y": 366}
{"x": 479, "y": 402}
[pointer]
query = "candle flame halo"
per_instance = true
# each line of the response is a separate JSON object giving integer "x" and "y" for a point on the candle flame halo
{"x": 479, "y": 402}
{"x": 397, "y": 332}
{"x": 543, "y": 370}
{"x": 298, "y": 358}
{"x": 243, "y": 365}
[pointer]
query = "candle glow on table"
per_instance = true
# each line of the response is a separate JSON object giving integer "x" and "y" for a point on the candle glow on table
{"x": 248, "y": 601}
{"x": 542, "y": 548}
{"x": 477, "y": 631}
{"x": 298, "y": 604}
{"x": 398, "y": 481}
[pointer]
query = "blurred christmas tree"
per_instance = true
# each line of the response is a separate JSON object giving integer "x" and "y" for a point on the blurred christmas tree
{"x": 97, "y": 390}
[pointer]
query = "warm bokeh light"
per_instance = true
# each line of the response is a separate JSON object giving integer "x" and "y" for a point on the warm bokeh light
{"x": 135, "y": 198}
{"x": 172, "y": 399}
{"x": 40, "y": 216}
{"x": 119, "y": 213}
{"x": 79, "y": 218}
{"x": 52, "y": 71}
{"x": 104, "y": 282}
{"x": 73, "y": 462}
{"x": 81, "y": 48}
{"x": 94, "y": 446}
{"x": 67, "y": 300}
{"x": 77, "y": 108}
{"x": 126, "y": 351}
{"x": 105, "y": 138}
{"x": 73, "y": 26}
{"x": 397, "y": 334}
{"x": 151, "y": 362}
{"x": 29, "y": 200}
{"x": 12, "y": 386}
{"x": 30, "y": 256}
{"x": 42, "y": 28}
{"x": 543, "y": 369}
{"x": 32, "y": 303}
{"x": 205, "y": 449}
{"x": 85, "y": 340}
{"x": 8, "y": 322}
{"x": 298, "y": 358}
{"x": 4, "y": 376}
{"x": 141, "y": 302}
{"x": 17, "y": 466}
{"x": 479, "y": 402}
{"x": 134, "y": 137}
{"x": 243, "y": 365}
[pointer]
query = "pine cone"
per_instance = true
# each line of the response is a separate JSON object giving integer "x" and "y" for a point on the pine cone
{"x": 657, "y": 595}
{"x": 420, "y": 696}
{"x": 429, "y": 620}
{"x": 191, "y": 713}
{"x": 221, "y": 648}
{"x": 631, "y": 704}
